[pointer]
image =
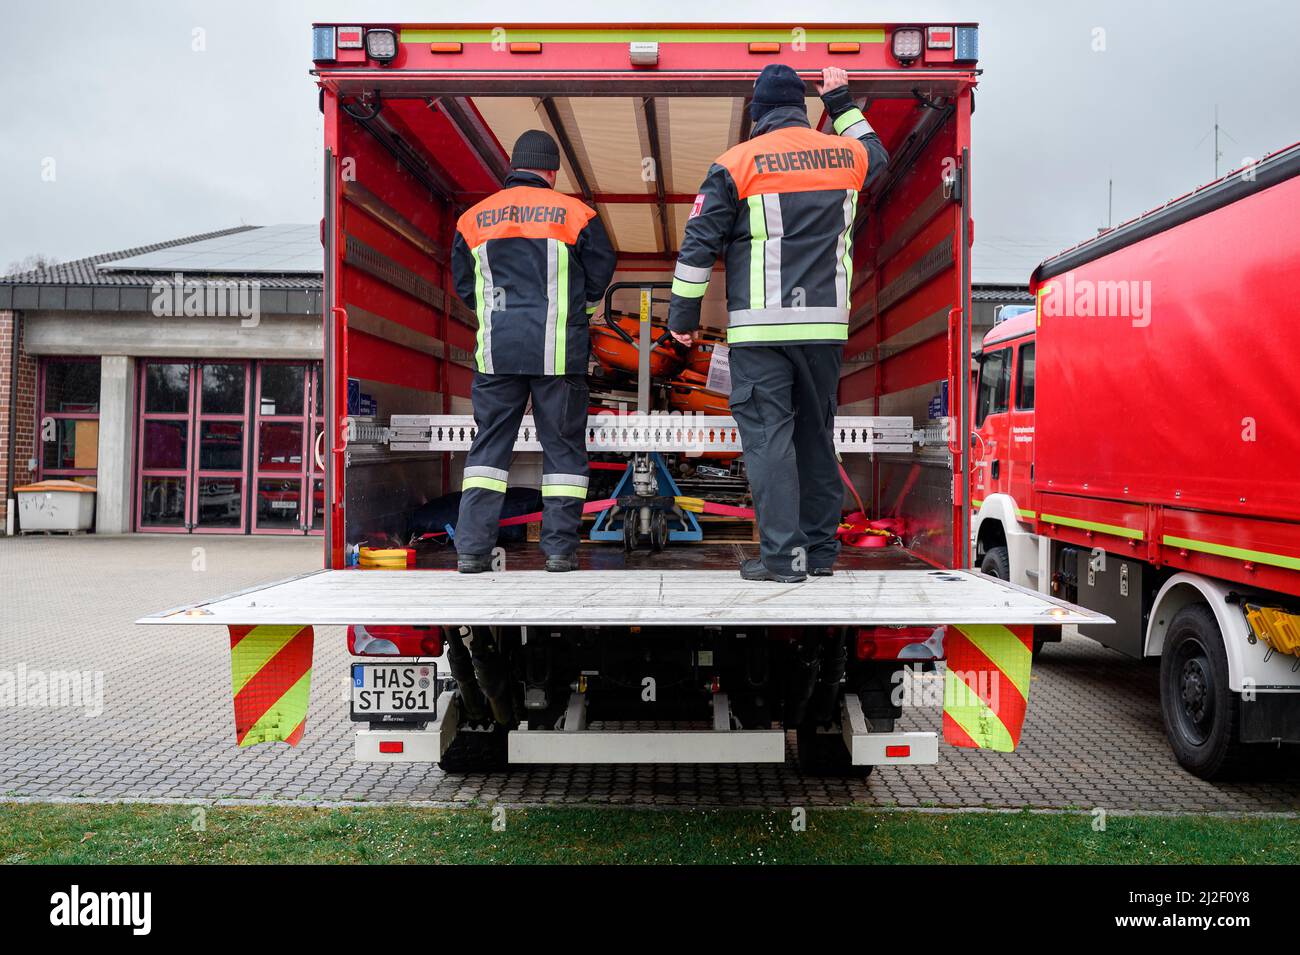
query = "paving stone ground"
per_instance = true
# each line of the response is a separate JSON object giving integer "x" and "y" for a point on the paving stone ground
{"x": 1093, "y": 737}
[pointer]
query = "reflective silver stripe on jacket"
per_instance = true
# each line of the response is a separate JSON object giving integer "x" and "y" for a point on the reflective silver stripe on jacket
{"x": 489, "y": 296}
{"x": 842, "y": 250}
{"x": 552, "y": 302}
{"x": 788, "y": 316}
{"x": 772, "y": 250}
{"x": 858, "y": 129}
{"x": 692, "y": 273}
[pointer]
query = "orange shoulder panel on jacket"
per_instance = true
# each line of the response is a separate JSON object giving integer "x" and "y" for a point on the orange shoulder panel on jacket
{"x": 525, "y": 212}
{"x": 795, "y": 159}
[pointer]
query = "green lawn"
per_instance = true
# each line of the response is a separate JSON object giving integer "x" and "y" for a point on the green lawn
{"x": 115, "y": 834}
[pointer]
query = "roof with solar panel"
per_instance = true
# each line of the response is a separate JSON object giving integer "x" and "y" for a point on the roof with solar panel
{"x": 285, "y": 260}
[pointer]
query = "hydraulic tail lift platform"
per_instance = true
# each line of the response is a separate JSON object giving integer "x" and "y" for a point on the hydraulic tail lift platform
{"x": 631, "y": 597}
{"x": 537, "y": 602}
{"x": 885, "y": 588}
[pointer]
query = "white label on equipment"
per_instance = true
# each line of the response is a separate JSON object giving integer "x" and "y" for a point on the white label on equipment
{"x": 719, "y": 379}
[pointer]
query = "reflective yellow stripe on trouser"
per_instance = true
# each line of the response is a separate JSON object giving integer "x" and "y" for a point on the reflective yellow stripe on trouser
{"x": 489, "y": 479}
{"x": 564, "y": 485}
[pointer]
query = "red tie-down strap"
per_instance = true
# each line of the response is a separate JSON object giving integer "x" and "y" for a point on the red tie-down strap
{"x": 591, "y": 507}
{"x": 857, "y": 530}
{"x": 700, "y": 506}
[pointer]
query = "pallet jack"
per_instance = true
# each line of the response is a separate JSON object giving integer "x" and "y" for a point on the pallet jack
{"x": 647, "y": 508}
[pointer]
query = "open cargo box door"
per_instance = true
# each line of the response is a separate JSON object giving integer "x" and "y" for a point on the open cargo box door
{"x": 910, "y": 332}
{"x": 408, "y": 152}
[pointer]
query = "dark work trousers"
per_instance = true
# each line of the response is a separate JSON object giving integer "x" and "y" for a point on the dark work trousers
{"x": 783, "y": 400}
{"x": 560, "y": 413}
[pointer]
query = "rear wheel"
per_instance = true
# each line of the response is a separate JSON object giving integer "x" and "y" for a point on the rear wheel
{"x": 823, "y": 753}
{"x": 1201, "y": 713}
{"x": 476, "y": 748}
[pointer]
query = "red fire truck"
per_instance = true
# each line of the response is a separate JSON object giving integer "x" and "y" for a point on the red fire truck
{"x": 1136, "y": 442}
{"x": 418, "y": 123}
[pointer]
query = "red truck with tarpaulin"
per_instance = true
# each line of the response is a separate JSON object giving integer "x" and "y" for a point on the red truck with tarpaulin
{"x": 1137, "y": 437}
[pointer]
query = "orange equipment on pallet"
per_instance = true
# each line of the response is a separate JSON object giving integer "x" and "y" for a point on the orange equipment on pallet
{"x": 618, "y": 353}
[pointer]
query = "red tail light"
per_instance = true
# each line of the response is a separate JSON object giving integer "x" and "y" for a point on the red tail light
{"x": 395, "y": 641}
{"x": 391, "y": 746}
{"x": 891, "y": 752}
{"x": 898, "y": 643}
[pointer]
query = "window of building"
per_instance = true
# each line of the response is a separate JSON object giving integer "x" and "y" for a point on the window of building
{"x": 68, "y": 419}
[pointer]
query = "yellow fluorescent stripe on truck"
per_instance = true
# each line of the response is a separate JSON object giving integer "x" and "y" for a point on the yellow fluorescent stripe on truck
{"x": 1240, "y": 553}
{"x": 1113, "y": 529}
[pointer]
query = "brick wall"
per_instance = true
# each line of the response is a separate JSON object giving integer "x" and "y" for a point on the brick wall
{"x": 25, "y": 412}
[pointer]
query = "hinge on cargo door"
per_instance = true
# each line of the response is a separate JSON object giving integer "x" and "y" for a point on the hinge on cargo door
{"x": 952, "y": 184}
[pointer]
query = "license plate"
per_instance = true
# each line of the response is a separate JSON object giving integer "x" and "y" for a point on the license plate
{"x": 390, "y": 692}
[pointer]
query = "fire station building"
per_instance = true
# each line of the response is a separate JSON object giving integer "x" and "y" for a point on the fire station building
{"x": 182, "y": 381}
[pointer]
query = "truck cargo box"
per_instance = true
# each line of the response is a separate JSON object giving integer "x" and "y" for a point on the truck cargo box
{"x": 419, "y": 121}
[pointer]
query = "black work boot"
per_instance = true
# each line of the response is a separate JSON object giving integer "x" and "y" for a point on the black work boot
{"x": 473, "y": 563}
{"x": 561, "y": 563}
{"x": 826, "y": 571}
{"x": 755, "y": 569}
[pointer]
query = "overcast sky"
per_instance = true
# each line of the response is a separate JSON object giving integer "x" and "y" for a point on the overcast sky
{"x": 150, "y": 139}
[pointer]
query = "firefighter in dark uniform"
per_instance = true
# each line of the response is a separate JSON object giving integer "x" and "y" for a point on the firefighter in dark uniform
{"x": 533, "y": 264}
{"x": 780, "y": 208}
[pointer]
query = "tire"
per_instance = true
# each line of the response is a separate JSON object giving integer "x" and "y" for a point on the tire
{"x": 996, "y": 563}
{"x": 631, "y": 531}
{"x": 824, "y": 754}
{"x": 476, "y": 750}
{"x": 1202, "y": 715}
{"x": 658, "y": 530}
